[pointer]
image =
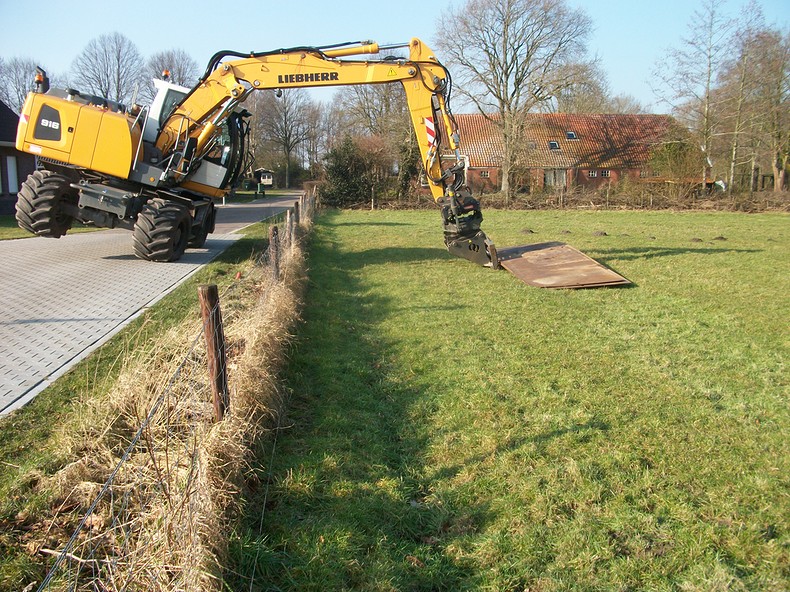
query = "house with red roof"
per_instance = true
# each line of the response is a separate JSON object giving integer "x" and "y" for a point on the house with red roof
{"x": 562, "y": 150}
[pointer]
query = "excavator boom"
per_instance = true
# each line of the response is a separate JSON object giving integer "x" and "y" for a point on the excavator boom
{"x": 231, "y": 77}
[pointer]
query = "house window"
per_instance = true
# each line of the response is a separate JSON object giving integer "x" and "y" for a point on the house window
{"x": 554, "y": 145}
{"x": 556, "y": 178}
{"x": 606, "y": 173}
{"x": 571, "y": 135}
{"x": 13, "y": 180}
{"x": 485, "y": 174}
{"x": 643, "y": 174}
{"x": 592, "y": 174}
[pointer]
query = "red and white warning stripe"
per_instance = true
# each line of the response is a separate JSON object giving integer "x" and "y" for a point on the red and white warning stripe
{"x": 430, "y": 130}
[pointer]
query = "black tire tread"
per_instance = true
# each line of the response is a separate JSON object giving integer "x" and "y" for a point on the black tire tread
{"x": 207, "y": 227}
{"x": 38, "y": 206}
{"x": 156, "y": 235}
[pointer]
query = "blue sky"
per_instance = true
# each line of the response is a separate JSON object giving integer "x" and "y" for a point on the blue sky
{"x": 630, "y": 36}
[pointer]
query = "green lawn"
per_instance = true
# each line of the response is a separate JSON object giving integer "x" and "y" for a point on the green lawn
{"x": 453, "y": 429}
{"x": 10, "y": 230}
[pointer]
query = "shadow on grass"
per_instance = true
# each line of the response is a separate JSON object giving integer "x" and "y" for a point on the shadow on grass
{"x": 373, "y": 224}
{"x": 348, "y": 506}
{"x": 653, "y": 252}
{"x": 583, "y": 433}
{"x": 386, "y": 255}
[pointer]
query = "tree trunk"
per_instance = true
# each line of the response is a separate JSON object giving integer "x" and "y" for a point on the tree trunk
{"x": 731, "y": 176}
{"x": 779, "y": 166}
{"x": 505, "y": 188}
{"x": 507, "y": 168}
{"x": 736, "y": 135}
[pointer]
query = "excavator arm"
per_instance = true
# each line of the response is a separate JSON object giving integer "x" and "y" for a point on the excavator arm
{"x": 189, "y": 132}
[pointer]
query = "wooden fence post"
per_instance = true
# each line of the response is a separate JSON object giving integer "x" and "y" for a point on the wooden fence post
{"x": 215, "y": 348}
{"x": 296, "y": 213}
{"x": 274, "y": 251}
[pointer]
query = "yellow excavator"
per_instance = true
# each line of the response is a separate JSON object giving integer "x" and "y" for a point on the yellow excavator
{"x": 156, "y": 169}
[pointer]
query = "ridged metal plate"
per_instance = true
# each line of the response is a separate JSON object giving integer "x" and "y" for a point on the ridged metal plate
{"x": 557, "y": 265}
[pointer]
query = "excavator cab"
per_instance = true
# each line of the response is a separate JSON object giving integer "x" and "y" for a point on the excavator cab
{"x": 166, "y": 99}
{"x": 219, "y": 166}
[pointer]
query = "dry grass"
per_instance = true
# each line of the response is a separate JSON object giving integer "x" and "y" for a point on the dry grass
{"x": 161, "y": 523}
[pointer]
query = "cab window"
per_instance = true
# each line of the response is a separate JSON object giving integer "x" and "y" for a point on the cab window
{"x": 172, "y": 98}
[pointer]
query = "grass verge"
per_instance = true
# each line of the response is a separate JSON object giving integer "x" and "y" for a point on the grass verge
{"x": 453, "y": 429}
{"x": 64, "y": 429}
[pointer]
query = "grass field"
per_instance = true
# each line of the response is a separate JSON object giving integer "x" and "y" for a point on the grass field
{"x": 453, "y": 429}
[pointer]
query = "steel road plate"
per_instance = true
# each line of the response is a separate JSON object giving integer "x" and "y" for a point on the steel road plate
{"x": 557, "y": 265}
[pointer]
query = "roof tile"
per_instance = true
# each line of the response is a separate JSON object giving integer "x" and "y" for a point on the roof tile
{"x": 614, "y": 141}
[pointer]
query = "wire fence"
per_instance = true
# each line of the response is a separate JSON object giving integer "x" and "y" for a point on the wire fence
{"x": 149, "y": 526}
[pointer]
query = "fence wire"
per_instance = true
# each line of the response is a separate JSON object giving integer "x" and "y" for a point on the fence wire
{"x": 156, "y": 482}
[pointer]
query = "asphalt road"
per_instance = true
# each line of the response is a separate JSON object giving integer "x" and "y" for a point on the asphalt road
{"x": 64, "y": 298}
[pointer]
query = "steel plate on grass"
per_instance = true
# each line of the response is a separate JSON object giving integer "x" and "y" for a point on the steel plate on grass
{"x": 557, "y": 265}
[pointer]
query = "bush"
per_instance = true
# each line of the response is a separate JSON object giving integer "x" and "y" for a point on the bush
{"x": 345, "y": 175}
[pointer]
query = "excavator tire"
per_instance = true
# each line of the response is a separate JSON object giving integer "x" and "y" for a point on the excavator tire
{"x": 161, "y": 232}
{"x": 200, "y": 234}
{"x": 42, "y": 203}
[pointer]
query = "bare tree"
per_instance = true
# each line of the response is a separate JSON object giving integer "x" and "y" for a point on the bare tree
{"x": 377, "y": 109}
{"x": 510, "y": 57}
{"x": 283, "y": 122}
{"x": 315, "y": 123}
{"x": 16, "y": 80}
{"x": 773, "y": 74}
{"x": 625, "y": 104}
{"x": 587, "y": 91}
{"x": 688, "y": 73}
{"x": 751, "y": 102}
{"x": 109, "y": 66}
{"x": 737, "y": 86}
{"x": 179, "y": 65}
{"x": 337, "y": 124}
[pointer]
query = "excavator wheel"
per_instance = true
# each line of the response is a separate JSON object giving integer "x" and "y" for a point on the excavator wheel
{"x": 162, "y": 230}
{"x": 206, "y": 227}
{"x": 43, "y": 202}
